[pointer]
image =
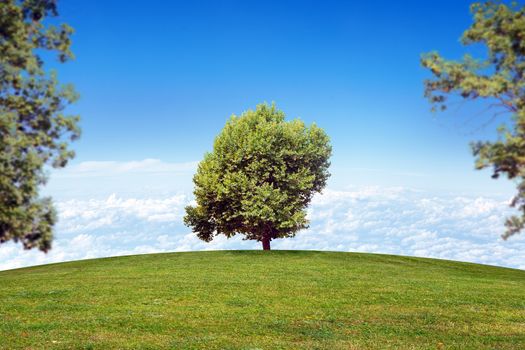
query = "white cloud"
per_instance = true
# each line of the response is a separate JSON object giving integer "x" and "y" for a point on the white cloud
{"x": 407, "y": 222}
{"x": 370, "y": 219}
{"x": 112, "y": 168}
{"x": 133, "y": 179}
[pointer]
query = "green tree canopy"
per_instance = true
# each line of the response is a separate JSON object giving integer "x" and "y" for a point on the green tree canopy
{"x": 33, "y": 128}
{"x": 499, "y": 79}
{"x": 260, "y": 177}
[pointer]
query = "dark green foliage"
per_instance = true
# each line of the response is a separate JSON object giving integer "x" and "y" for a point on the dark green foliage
{"x": 498, "y": 79}
{"x": 260, "y": 177}
{"x": 34, "y": 132}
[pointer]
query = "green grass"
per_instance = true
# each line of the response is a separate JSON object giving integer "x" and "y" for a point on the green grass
{"x": 262, "y": 300}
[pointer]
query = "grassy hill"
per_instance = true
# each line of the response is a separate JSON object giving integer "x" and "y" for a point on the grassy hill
{"x": 262, "y": 300}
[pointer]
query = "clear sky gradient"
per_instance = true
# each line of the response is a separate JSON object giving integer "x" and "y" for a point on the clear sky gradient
{"x": 158, "y": 79}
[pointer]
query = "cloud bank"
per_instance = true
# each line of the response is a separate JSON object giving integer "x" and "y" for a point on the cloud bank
{"x": 369, "y": 219}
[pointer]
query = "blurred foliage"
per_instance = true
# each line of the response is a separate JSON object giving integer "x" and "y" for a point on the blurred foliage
{"x": 499, "y": 79}
{"x": 34, "y": 131}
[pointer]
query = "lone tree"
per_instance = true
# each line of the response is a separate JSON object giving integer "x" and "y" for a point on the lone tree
{"x": 34, "y": 132}
{"x": 260, "y": 177}
{"x": 499, "y": 79}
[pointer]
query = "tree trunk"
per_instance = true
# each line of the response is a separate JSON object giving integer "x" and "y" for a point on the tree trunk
{"x": 266, "y": 243}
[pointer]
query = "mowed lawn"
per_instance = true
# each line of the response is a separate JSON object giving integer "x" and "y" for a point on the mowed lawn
{"x": 262, "y": 300}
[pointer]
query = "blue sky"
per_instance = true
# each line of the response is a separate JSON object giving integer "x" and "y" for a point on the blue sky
{"x": 158, "y": 80}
